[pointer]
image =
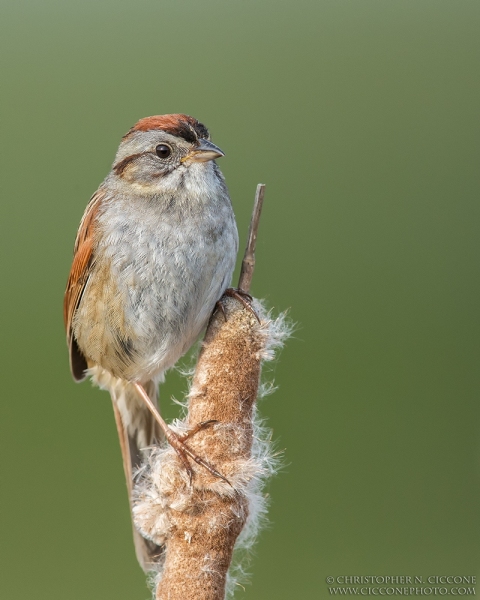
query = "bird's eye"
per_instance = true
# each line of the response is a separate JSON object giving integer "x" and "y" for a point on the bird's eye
{"x": 163, "y": 151}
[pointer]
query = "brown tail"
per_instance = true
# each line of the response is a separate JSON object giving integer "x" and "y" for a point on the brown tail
{"x": 137, "y": 430}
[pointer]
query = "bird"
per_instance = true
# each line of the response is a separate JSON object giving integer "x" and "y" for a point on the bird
{"x": 155, "y": 251}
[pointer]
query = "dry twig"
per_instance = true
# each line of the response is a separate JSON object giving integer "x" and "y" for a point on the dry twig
{"x": 248, "y": 263}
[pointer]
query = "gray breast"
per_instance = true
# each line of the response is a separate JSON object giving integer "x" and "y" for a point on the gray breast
{"x": 168, "y": 265}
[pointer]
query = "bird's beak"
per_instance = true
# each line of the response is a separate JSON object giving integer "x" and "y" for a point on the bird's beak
{"x": 204, "y": 152}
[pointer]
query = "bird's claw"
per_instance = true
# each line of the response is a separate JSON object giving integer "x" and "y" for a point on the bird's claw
{"x": 244, "y": 297}
{"x": 177, "y": 441}
{"x": 198, "y": 427}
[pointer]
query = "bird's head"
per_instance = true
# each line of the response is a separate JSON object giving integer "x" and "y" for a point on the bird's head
{"x": 158, "y": 152}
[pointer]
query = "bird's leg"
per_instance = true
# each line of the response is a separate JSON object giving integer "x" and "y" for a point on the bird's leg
{"x": 241, "y": 296}
{"x": 177, "y": 441}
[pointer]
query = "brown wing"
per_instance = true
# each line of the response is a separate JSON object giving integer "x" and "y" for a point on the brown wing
{"x": 79, "y": 274}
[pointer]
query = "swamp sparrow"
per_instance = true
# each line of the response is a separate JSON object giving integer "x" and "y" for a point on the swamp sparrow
{"x": 154, "y": 252}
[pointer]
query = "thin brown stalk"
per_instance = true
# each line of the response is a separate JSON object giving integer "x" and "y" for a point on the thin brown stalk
{"x": 248, "y": 263}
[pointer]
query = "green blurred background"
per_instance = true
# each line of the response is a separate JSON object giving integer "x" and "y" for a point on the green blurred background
{"x": 361, "y": 116}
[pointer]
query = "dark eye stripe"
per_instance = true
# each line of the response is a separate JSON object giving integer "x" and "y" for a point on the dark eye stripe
{"x": 120, "y": 167}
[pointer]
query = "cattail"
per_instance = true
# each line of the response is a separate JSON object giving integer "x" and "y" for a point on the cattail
{"x": 199, "y": 523}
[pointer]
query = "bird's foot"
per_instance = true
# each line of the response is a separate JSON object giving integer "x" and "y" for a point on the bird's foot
{"x": 241, "y": 296}
{"x": 191, "y": 432}
{"x": 177, "y": 441}
{"x": 178, "y": 444}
